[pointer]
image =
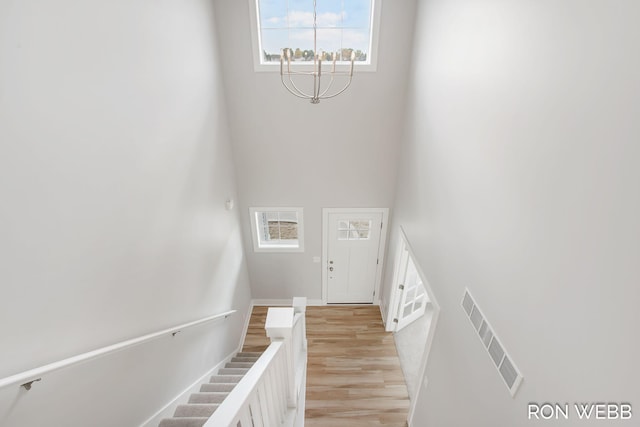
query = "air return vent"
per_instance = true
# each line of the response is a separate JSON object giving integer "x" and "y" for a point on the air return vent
{"x": 508, "y": 371}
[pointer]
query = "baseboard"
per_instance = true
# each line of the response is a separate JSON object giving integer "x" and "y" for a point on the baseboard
{"x": 247, "y": 319}
{"x": 271, "y": 302}
{"x": 283, "y": 302}
{"x": 168, "y": 410}
{"x": 384, "y": 319}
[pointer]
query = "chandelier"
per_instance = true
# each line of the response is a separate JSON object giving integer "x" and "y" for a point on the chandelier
{"x": 319, "y": 91}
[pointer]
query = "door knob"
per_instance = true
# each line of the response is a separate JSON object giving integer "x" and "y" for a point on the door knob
{"x": 330, "y": 268}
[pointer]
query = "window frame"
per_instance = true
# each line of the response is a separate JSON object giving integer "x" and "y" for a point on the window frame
{"x": 369, "y": 66}
{"x": 256, "y": 230}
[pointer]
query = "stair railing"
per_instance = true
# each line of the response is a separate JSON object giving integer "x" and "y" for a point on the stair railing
{"x": 272, "y": 392}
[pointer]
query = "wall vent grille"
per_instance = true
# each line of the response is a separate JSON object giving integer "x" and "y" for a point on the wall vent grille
{"x": 501, "y": 360}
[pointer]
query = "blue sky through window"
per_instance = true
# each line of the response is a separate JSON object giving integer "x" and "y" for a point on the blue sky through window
{"x": 342, "y": 24}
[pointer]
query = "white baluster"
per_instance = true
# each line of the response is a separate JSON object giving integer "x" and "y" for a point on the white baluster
{"x": 245, "y": 417}
{"x": 277, "y": 391}
{"x": 256, "y": 411}
{"x": 267, "y": 404}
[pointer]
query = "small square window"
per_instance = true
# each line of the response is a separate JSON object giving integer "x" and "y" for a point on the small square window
{"x": 277, "y": 229}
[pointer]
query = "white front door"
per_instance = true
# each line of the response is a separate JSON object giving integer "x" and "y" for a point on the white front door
{"x": 352, "y": 255}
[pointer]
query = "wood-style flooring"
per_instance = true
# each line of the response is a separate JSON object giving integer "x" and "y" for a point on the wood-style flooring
{"x": 256, "y": 339}
{"x": 354, "y": 377}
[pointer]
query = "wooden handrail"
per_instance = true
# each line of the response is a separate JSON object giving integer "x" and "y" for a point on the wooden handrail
{"x": 26, "y": 378}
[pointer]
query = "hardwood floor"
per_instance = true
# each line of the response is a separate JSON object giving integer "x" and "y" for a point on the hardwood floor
{"x": 354, "y": 377}
{"x": 256, "y": 339}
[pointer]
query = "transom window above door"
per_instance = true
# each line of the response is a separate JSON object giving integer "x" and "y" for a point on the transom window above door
{"x": 354, "y": 229}
{"x": 343, "y": 27}
{"x": 277, "y": 229}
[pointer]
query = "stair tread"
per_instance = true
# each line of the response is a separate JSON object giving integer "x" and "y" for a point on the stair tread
{"x": 233, "y": 371}
{"x": 184, "y": 422}
{"x": 195, "y": 410}
{"x": 248, "y": 354}
{"x": 227, "y": 379}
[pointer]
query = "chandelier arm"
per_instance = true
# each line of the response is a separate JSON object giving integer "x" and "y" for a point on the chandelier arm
{"x": 316, "y": 91}
{"x": 341, "y": 73}
{"x": 316, "y": 85}
{"x": 342, "y": 90}
{"x": 348, "y": 82}
{"x": 304, "y": 73}
{"x": 292, "y": 92}
{"x": 322, "y": 95}
{"x": 295, "y": 91}
{"x": 305, "y": 95}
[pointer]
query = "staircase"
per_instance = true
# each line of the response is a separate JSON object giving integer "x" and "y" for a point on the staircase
{"x": 203, "y": 404}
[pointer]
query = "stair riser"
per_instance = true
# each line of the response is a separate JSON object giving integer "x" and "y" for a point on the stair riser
{"x": 242, "y": 365}
{"x": 209, "y": 387}
{"x": 244, "y": 360}
{"x": 227, "y": 379}
{"x": 215, "y": 397}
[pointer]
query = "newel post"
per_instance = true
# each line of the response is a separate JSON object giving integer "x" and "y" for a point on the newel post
{"x": 279, "y": 326}
{"x": 300, "y": 306}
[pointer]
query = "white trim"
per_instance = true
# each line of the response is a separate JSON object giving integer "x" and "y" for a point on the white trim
{"x": 283, "y": 302}
{"x": 255, "y": 34}
{"x": 168, "y": 409}
{"x": 434, "y": 312}
{"x": 381, "y": 247}
{"x": 371, "y": 65}
{"x": 422, "y": 377}
{"x": 247, "y": 320}
{"x": 276, "y": 248}
{"x": 271, "y": 302}
{"x": 394, "y": 296}
{"x": 404, "y": 244}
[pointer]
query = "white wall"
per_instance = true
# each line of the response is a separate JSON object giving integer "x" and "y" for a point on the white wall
{"x": 339, "y": 153}
{"x": 519, "y": 179}
{"x": 114, "y": 168}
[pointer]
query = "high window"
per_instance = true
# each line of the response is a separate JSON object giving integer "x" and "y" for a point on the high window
{"x": 343, "y": 27}
{"x": 277, "y": 229}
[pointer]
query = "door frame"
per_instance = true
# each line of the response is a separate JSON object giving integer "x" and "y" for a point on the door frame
{"x": 434, "y": 313}
{"x": 381, "y": 247}
{"x": 395, "y": 294}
